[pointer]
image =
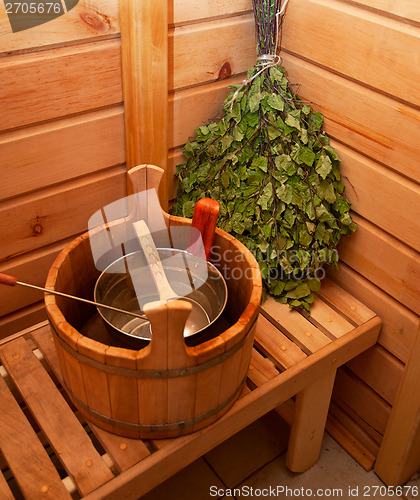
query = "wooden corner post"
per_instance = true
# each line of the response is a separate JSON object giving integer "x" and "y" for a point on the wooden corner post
{"x": 399, "y": 454}
{"x": 144, "y": 48}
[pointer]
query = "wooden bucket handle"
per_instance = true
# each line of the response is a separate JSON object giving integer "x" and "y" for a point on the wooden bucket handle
{"x": 206, "y": 210}
{"x": 167, "y": 349}
{"x": 143, "y": 178}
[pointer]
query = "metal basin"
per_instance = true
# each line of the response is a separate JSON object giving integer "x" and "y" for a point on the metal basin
{"x": 128, "y": 284}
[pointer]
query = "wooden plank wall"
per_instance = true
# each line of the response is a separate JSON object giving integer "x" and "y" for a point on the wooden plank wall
{"x": 359, "y": 62}
{"x": 62, "y": 126}
{"x": 62, "y": 148}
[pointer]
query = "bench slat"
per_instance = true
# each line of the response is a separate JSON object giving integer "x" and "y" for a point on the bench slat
{"x": 44, "y": 340}
{"x": 261, "y": 369}
{"x": 5, "y": 492}
{"x": 282, "y": 351}
{"x": 309, "y": 338}
{"x": 67, "y": 437}
{"x": 333, "y": 323}
{"x": 124, "y": 452}
{"x": 25, "y": 455}
{"x": 345, "y": 302}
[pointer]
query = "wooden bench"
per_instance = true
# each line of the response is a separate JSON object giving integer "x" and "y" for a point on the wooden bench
{"x": 49, "y": 451}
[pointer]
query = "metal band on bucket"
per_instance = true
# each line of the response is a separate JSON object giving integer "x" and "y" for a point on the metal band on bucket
{"x": 174, "y": 426}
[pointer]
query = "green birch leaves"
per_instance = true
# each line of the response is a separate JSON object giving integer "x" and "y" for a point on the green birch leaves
{"x": 277, "y": 179}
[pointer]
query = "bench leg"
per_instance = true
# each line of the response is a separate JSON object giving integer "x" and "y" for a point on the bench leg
{"x": 308, "y": 425}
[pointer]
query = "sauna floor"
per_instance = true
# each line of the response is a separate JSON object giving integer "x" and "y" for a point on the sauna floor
{"x": 255, "y": 458}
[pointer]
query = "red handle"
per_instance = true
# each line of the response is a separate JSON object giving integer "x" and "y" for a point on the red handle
{"x": 204, "y": 219}
{"x": 5, "y": 279}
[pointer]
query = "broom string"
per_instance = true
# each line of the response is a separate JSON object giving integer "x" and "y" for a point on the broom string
{"x": 265, "y": 60}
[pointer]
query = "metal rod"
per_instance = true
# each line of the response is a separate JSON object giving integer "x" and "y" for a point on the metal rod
{"x": 87, "y": 301}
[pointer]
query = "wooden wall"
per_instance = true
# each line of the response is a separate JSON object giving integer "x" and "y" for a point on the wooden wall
{"x": 62, "y": 149}
{"x": 361, "y": 66}
{"x": 359, "y": 62}
{"x": 62, "y": 128}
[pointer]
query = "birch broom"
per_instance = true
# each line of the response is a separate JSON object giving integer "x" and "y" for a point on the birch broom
{"x": 270, "y": 165}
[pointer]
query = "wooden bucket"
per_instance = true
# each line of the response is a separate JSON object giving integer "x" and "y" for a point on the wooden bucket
{"x": 167, "y": 388}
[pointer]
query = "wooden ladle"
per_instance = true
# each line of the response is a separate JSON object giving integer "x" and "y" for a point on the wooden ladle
{"x": 198, "y": 317}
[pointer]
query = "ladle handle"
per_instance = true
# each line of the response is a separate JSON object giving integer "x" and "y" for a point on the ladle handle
{"x": 5, "y": 279}
{"x": 152, "y": 257}
{"x": 205, "y": 216}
